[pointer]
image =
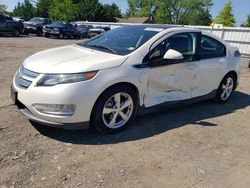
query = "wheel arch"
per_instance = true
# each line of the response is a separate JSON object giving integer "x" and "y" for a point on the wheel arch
{"x": 234, "y": 74}
{"x": 120, "y": 84}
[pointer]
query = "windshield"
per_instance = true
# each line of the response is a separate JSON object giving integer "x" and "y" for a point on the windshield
{"x": 57, "y": 24}
{"x": 37, "y": 20}
{"x": 122, "y": 40}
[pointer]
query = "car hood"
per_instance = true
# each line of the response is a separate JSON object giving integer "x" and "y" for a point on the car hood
{"x": 72, "y": 59}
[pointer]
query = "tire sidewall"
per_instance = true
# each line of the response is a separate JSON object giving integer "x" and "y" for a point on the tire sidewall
{"x": 61, "y": 36}
{"x": 16, "y": 32}
{"x": 220, "y": 90}
{"x": 96, "y": 119}
{"x": 39, "y": 32}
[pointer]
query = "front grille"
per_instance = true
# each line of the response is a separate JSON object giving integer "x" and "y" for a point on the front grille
{"x": 25, "y": 77}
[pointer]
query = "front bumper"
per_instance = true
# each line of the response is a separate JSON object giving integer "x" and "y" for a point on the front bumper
{"x": 93, "y": 34}
{"x": 75, "y": 93}
{"x": 70, "y": 126}
{"x": 28, "y": 114}
{"x": 31, "y": 30}
{"x": 51, "y": 32}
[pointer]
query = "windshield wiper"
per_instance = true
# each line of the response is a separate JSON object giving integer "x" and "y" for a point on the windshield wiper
{"x": 103, "y": 47}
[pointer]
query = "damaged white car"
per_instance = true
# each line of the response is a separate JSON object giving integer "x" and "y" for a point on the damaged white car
{"x": 105, "y": 81}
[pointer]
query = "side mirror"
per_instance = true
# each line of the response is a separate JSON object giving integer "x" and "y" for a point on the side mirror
{"x": 173, "y": 55}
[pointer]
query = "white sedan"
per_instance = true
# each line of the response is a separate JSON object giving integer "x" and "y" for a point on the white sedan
{"x": 105, "y": 81}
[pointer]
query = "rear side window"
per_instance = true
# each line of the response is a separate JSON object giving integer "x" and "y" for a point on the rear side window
{"x": 211, "y": 48}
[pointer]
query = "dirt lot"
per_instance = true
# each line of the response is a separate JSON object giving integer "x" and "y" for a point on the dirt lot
{"x": 200, "y": 145}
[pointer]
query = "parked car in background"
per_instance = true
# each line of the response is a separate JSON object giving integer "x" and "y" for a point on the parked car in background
{"x": 10, "y": 26}
{"x": 20, "y": 19}
{"x": 61, "y": 29}
{"x": 84, "y": 29}
{"x": 106, "y": 28}
{"x": 106, "y": 80}
{"x": 95, "y": 31}
{"x": 35, "y": 26}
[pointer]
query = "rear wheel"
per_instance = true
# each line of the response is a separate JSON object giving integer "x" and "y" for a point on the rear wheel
{"x": 39, "y": 32}
{"x": 16, "y": 32}
{"x": 115, "y": 109}
{"x": 61, "y": 36}
{"x": 226, "y": 89}
{"x": 47, "y": 35}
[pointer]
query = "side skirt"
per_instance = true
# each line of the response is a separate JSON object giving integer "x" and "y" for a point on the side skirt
{"x": 167, "y": 105}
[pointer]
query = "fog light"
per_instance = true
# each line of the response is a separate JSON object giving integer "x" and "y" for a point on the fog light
{"x": 56, "y": 109}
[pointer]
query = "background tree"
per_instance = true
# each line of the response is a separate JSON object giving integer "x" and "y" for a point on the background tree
{"x": 25, "y": 9}
{"x": 90, "y": 10}
{"x": 64, "y": 10}
{"x": 247, "y": 24}
{"x": 42, "y": 8}
{"x": 202, "y": 17}
{"x": 226, "y": 17}
{"x": 187, "y": 12}
{"x": 3, "y": 9}
{"x": 141, "y": 8}
{"x": 111, "y": 13}
{"x": 183, "y": 12}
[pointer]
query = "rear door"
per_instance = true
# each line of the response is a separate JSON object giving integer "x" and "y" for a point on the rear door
{"x": 172, "y": 81}
{"x": 212, "y": 55}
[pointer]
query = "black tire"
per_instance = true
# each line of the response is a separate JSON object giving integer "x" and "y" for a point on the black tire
{"x": 97, "y": 114}
{"x": 61, "y": 36}
{"x": 16, "y": 32}
{"x": 47, "y": 35}
{"x": 39, "y": 32}
{"x": 77, "y": 37}
{"x": 219, "y": 95}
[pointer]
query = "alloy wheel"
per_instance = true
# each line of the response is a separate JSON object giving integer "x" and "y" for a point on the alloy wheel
{"x": 118, "y": 110}
{"x": 227, "y": 88}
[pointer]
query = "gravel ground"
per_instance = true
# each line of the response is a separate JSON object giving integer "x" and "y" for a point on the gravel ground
{"x": 199, "y": 145}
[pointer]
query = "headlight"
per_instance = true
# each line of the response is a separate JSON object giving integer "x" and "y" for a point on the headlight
{"x": 54, "y": 79}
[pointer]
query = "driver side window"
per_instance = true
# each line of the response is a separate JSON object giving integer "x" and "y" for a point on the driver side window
{"x": 185, "y": 43}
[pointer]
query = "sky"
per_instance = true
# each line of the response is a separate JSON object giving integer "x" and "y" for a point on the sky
{"x": 241, "y": 8}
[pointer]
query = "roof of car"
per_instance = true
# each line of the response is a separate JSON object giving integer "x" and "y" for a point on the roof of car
{"x": 158, "y": 26}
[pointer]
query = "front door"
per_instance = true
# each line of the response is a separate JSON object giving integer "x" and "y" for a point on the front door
{"x": 172, "y": 81}
{"x": 3, "y": 24}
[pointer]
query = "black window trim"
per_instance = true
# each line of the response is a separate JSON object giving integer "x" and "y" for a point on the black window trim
{"x": 146, "y": 62}
{"x": 216, "y": 55}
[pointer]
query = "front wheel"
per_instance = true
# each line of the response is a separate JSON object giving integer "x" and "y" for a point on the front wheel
{"x": 115, "y": 109}
{"x": 61, "y": 36}
{"x": 47, "y": 35}
{"x": 226, "y": 89}
{"x": 16, "y": 32}
{"x": 39, "y": 32}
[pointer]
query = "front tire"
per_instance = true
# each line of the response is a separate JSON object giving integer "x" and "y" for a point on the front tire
{"x": 226, "y": 88}
{"x": 47, "y": 35}
{"x": 115, "y": 109}
{"x": 16, "y": 33}
{"x": 61, "y": 36}
{"x": 39, "y": 33}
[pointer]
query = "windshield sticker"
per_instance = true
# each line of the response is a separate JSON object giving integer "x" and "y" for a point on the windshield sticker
{"x": 131, "y": 48}
{"x": 154, "y": 29}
